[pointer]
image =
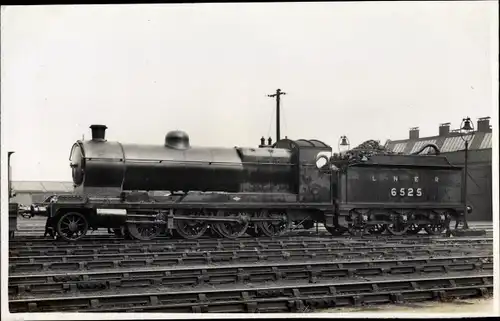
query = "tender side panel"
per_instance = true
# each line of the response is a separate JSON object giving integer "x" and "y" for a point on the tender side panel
{"x": 401, "y": 185}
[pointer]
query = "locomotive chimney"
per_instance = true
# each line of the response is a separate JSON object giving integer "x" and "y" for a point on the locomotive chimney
{"x": 414, "y": 133}
{"x": 444, "y": 129}
{"x": 98, "y": 132}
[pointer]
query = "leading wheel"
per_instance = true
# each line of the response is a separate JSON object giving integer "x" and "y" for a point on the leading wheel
{"x": 72, "y": 226}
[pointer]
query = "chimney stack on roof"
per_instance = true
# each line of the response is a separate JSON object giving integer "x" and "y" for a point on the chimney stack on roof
{"x": 444, "y": 129}
{"x": 414, "y": 133}
{"x": 483, "y": 125}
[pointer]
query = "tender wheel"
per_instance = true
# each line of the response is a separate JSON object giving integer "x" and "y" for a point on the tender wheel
{"x": 440, "y": 224}
{"x": 72, "y": 226}
{"x": 274, "y": 228}
{"x": 190, "y": 229}
{"x": 356, "y": 230}
{"x": 453, "y": 224}
{"x": 143, "y": 232}
{"x": 435, "y": 229}
{"x": 356, "y": 225}
{"x": 376, "y": 229}
{"x": 398, "y": 228}
{"x": 414, "y": 229}
{"x": 232, "y": 230}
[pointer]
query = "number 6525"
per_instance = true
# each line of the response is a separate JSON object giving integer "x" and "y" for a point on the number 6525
{"x": 406, "y": 191}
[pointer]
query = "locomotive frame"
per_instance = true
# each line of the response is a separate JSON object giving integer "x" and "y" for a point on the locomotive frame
{"x": 317, "y": 196}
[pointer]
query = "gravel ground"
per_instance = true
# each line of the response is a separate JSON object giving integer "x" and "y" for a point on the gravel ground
{"x": 469, "y": 306}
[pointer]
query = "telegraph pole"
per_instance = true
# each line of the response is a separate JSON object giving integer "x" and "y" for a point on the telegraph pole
{"x": 9, "y": 175}
{"x": 277, "y": 95}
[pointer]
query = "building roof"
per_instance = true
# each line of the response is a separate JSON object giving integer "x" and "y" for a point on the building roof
{"x": 447, "y": 144}
{"x": 42, "y": 186}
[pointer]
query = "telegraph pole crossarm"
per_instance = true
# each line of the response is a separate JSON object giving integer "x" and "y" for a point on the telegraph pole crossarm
{"x": 277, "y": 95}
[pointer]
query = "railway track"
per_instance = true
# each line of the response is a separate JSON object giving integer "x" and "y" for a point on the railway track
{"x": 312, "y": 272}
{"x": 103, "y": 234}
{"x": 157, "y": 259}
{"x": 276, "y": 298}
{"x": 287, "y": 274}
{"x": 137, "y": 248}
{"x": 211, "y": 244}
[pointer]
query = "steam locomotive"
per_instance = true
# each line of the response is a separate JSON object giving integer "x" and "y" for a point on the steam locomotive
{"x": 142, "y": 191}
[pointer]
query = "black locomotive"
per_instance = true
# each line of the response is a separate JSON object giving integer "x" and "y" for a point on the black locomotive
{"x": 143, "y": 191}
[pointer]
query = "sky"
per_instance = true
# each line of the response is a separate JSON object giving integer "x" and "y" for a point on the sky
{"x": 364, "y": 70}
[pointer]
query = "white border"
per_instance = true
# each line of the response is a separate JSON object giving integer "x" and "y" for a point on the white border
{"x": 495, "y": 158}
{"x": 112, "y": 316}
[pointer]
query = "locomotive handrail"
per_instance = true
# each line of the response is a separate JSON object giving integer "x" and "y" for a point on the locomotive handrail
{"x": 433, "y": 146}
{"x": 79, "y": 144}
{"x": 177, "y": 160}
